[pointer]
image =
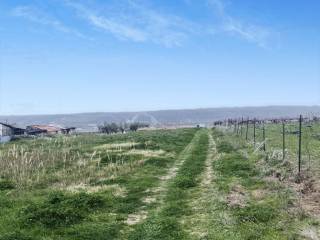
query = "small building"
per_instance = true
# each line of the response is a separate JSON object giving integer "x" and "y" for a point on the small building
{"x": 68, "y": 130}
{"x": 7, "y": 132}
{"x": 35, "y": 131}
{"x": 48, "y": 129}
{"x": 43, "y": 129}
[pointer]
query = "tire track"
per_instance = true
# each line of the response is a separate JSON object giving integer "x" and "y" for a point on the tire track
{"x": 158, "y": 194}
{"x": 197, "y": 224}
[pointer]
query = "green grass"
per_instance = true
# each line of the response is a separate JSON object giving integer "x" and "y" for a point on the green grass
{"x": 42, "y": 211}
{"x": 165, "y": 224}
{"x": 267, "y": 217}
{"x": 78, "y": 187}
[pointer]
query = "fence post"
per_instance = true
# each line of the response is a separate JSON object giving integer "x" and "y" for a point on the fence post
{"x": 237, "y": 127}
{"x": 300, "y": 140}
{"x": 254, "y": 132}
{"x": 241, "y": 126}
{"x": 264, "y": 138}
{"x": 247, "y": 129}
{"x": 283, "y": 141}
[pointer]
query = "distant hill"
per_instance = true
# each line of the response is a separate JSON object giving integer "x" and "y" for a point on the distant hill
{"x": 163, "y": 117}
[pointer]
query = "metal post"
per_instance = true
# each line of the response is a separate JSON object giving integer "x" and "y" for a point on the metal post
{"x": 300, "y": 140}
{"x": 241, "y": 126}
{"x": 264, "y": 138}
{"x": 254, "y": 132}
{"x": 247, "y": 129}
{"x": 283, "y": 140}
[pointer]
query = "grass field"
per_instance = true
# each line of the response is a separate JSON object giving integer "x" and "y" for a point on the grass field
{"x": 163, "y": 184}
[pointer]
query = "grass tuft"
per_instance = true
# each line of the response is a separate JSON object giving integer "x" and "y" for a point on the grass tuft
{"x": 61, "y": 209}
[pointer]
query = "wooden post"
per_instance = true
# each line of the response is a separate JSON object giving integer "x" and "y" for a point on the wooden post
{"x": 283, "y": 140}
{"x": 300, "y": 140}
{"x": 247, "y": 130}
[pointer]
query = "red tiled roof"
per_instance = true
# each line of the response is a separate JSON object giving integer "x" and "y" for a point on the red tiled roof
{"x": 47, "y": 128}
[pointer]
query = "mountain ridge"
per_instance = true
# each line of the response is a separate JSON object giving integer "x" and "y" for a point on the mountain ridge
{"x": 162, "y": 117}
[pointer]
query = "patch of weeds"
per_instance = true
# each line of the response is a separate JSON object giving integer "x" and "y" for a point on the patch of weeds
{"x": 253, "y": 183}
{"x": 159, "y": 227}
{"x": 257, "y": 213}
{"x": 96, "y": 231}
{"x": 111, "y": 181}
{"x": 185, "y": 181}
{"x": 119, "y": 158}
{"x": 158, "y": 162}
{"x": 216, "y": 133}
{"x": 60, "y": 210}
{"x": 235, "y": 165}
{"x": 17, "y": 235}
{"x": 6, "y": 185}
{"x": 5, "y": 201}
{"x": 225, "y": 147}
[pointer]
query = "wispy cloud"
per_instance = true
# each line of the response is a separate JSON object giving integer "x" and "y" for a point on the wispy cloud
{"x": 251, "y": 32}
{"x": 138, "y": 23}
{"x": 38, "y": 16}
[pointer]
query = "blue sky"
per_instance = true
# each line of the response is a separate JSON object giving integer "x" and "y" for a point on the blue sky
{"x": 66, "y": 56}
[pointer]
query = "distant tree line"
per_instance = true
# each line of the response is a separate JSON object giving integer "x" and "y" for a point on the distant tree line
{"x": 110, "y": 128}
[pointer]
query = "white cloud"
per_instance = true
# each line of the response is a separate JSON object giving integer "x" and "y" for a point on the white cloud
{"x": 138, "y": 23}
{"x": 36, "y": 15}
{"x": 248, "y": 31}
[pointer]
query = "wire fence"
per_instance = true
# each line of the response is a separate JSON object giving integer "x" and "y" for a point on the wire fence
{"x": 294, "y": 140}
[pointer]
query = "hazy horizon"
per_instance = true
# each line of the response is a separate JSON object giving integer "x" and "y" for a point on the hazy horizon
{"x": 172, "y": 109}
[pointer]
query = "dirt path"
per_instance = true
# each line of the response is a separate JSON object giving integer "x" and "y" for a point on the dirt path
{"x": 158, "y": 194}
{"x": 203, "y": 198}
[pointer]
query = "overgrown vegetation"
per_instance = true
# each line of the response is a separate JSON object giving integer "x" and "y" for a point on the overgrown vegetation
{"x": 82, "y": 187}
{"x": 163, "y": 184}
{"x": 165, "y": 223}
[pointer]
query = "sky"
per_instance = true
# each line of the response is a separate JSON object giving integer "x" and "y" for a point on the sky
{"x": 68, "y": 56}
